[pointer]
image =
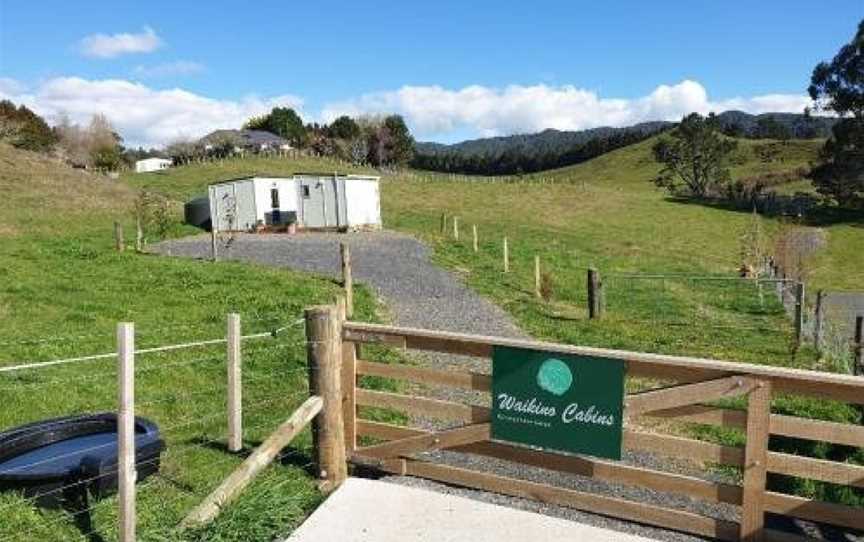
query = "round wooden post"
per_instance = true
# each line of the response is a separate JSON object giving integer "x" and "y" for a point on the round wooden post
{"x": 443, "y": 223}
{"x": 324, "y": 354}
{"x": 456, "y": 228}
{"x": 819, "y": 321}
{"x": 126, "y": 430}
{"x": 799, "y": 312}
{"x": 235, "y": 385}
{"x": 474, "y": 232}
{"x": 594, "y": 294}
{"x": 139, "y": 234}
{"x": 506, "y": 256}
{"x": 859, "y": 345}
{"x": 118, "y": 237}
{"x": 537, "y": 293}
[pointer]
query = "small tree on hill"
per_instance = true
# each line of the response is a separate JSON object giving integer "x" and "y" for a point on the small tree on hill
{"x": 400, "y": 144}
{"x": 694, "y": 158}
{"x": 344, "y": 127}
{"x": 838, "y": 86}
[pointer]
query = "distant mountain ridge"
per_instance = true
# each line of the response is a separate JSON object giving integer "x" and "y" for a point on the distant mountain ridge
{"x": 556, "y": 148}
{"x": 801, "y": 126}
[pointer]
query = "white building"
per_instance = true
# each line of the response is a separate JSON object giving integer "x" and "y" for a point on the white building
{"x": 152, "y": 164}
{"x": 310, "y": 200}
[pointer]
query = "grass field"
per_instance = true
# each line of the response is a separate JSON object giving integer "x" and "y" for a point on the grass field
{"x": 604, "y": 213}
{"x": 63, "y": 289}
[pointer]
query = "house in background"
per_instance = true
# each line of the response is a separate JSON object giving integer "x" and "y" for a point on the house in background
{"x": 148, "y": 165}
{"x": 309, "y": 200}
{"x": 247, "y": 140}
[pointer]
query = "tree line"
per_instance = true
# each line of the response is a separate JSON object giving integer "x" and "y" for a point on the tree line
{"x": 525, "y": 159}
{"x": 96, "y": 144}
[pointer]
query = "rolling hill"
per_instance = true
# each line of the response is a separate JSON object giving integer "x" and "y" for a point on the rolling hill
{"x": 525, "y": 153}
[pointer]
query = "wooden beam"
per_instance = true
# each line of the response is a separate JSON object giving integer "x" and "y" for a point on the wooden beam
{"x": 703, "y": 414}
{"x": 232, "y": 486}
{"x": 755, "y": 459}
{"x": 609, "y": 506}
{"x": 424, "y": 375}
{"x": 846, "y": 388}
{"x": 836, "y": 433}
{"x": 789, "y": 426}
{"x": 428, "y": 442}
{"x": 694, "y": 450}
{"x": 678, "y": 396}
{"x": 845, "y": 474}
{"x": 850, "y": 517}
{"x": 433, "y": 408}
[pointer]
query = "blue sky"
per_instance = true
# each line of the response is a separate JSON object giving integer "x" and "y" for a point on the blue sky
{"x": 454, "y": 69}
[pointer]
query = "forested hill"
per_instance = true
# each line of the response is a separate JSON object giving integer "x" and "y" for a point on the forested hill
{"x": 553, "y": 148}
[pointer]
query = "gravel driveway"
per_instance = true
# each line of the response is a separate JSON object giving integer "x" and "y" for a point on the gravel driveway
{"x": 419, "y": 294}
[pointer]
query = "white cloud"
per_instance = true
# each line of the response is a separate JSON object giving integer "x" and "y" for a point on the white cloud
{"x": 110, "y": 46}
{"x": 434, "y": 112}
{"x": 168, "y": 69}
{"x": 148, "y": 116}
{"x": 143, "y": 115}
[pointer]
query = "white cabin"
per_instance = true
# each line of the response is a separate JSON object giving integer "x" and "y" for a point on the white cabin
{"x": 148, "y": 165}
{"x": 310, "y": 200}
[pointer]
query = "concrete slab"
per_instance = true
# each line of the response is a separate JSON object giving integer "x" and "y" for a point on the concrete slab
{"x": 374, "y": 511}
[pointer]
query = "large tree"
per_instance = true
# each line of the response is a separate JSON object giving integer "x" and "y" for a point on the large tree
{"x": 25, "y": 129}
{"x": 838, "y": 86}
{"x": 695, "y": 157}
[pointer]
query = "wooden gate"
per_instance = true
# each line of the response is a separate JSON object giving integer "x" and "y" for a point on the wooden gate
{"x": 687, "y": 393}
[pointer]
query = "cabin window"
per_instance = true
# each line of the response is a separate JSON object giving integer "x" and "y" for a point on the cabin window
{"x": 274, "y": 198}
{"x": 305, "y": 190}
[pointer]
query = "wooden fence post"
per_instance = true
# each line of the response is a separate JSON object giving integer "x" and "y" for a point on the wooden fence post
{"x": 537, "y": 293}
{"x": 456, "y": 228}
{"x": 859, "y": 345}
{"x": 474, "y": 232}
{"x": 213, "y": 253}
{"x": 235, "y": 385}
{"x": 347, "y": 279}
{"x": 126, "y": 430}
{"x": 595, "y": 294}
{"x": 443, "y": 223}
{"x": 755, "y": 459}
{"x": 819, "y": 321}
{"x": 506, "y": 256}
{"x": 349, "y": 388}
{"x": 799, "y": 312}
{"x": 324, "y": 354}
{"x": 139, "y": 234}
{"x": 118, "y": 237}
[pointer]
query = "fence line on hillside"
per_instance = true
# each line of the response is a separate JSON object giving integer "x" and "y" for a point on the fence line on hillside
{"x": 753, "y": 303}
{"x": 207, "y": 407}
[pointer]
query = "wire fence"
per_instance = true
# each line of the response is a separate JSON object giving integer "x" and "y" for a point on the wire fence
{"x": 184, "y": 390}
{"x": 578, "y": 295}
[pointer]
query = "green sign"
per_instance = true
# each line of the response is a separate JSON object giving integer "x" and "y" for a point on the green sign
{"x": 558, "y": 402}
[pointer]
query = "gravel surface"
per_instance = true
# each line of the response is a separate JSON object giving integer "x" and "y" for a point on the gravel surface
{"x": 419, "y": 294}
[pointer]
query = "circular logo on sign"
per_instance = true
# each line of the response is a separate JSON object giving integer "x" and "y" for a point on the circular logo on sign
{"x": 554, "y": 376}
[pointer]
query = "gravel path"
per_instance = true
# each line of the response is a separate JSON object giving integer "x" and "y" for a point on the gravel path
{"x": 419, "y": 294}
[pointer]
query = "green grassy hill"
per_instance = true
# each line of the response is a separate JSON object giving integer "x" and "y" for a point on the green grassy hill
{"x": 63, "y": 288}
{"x": 605, "y": 213}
